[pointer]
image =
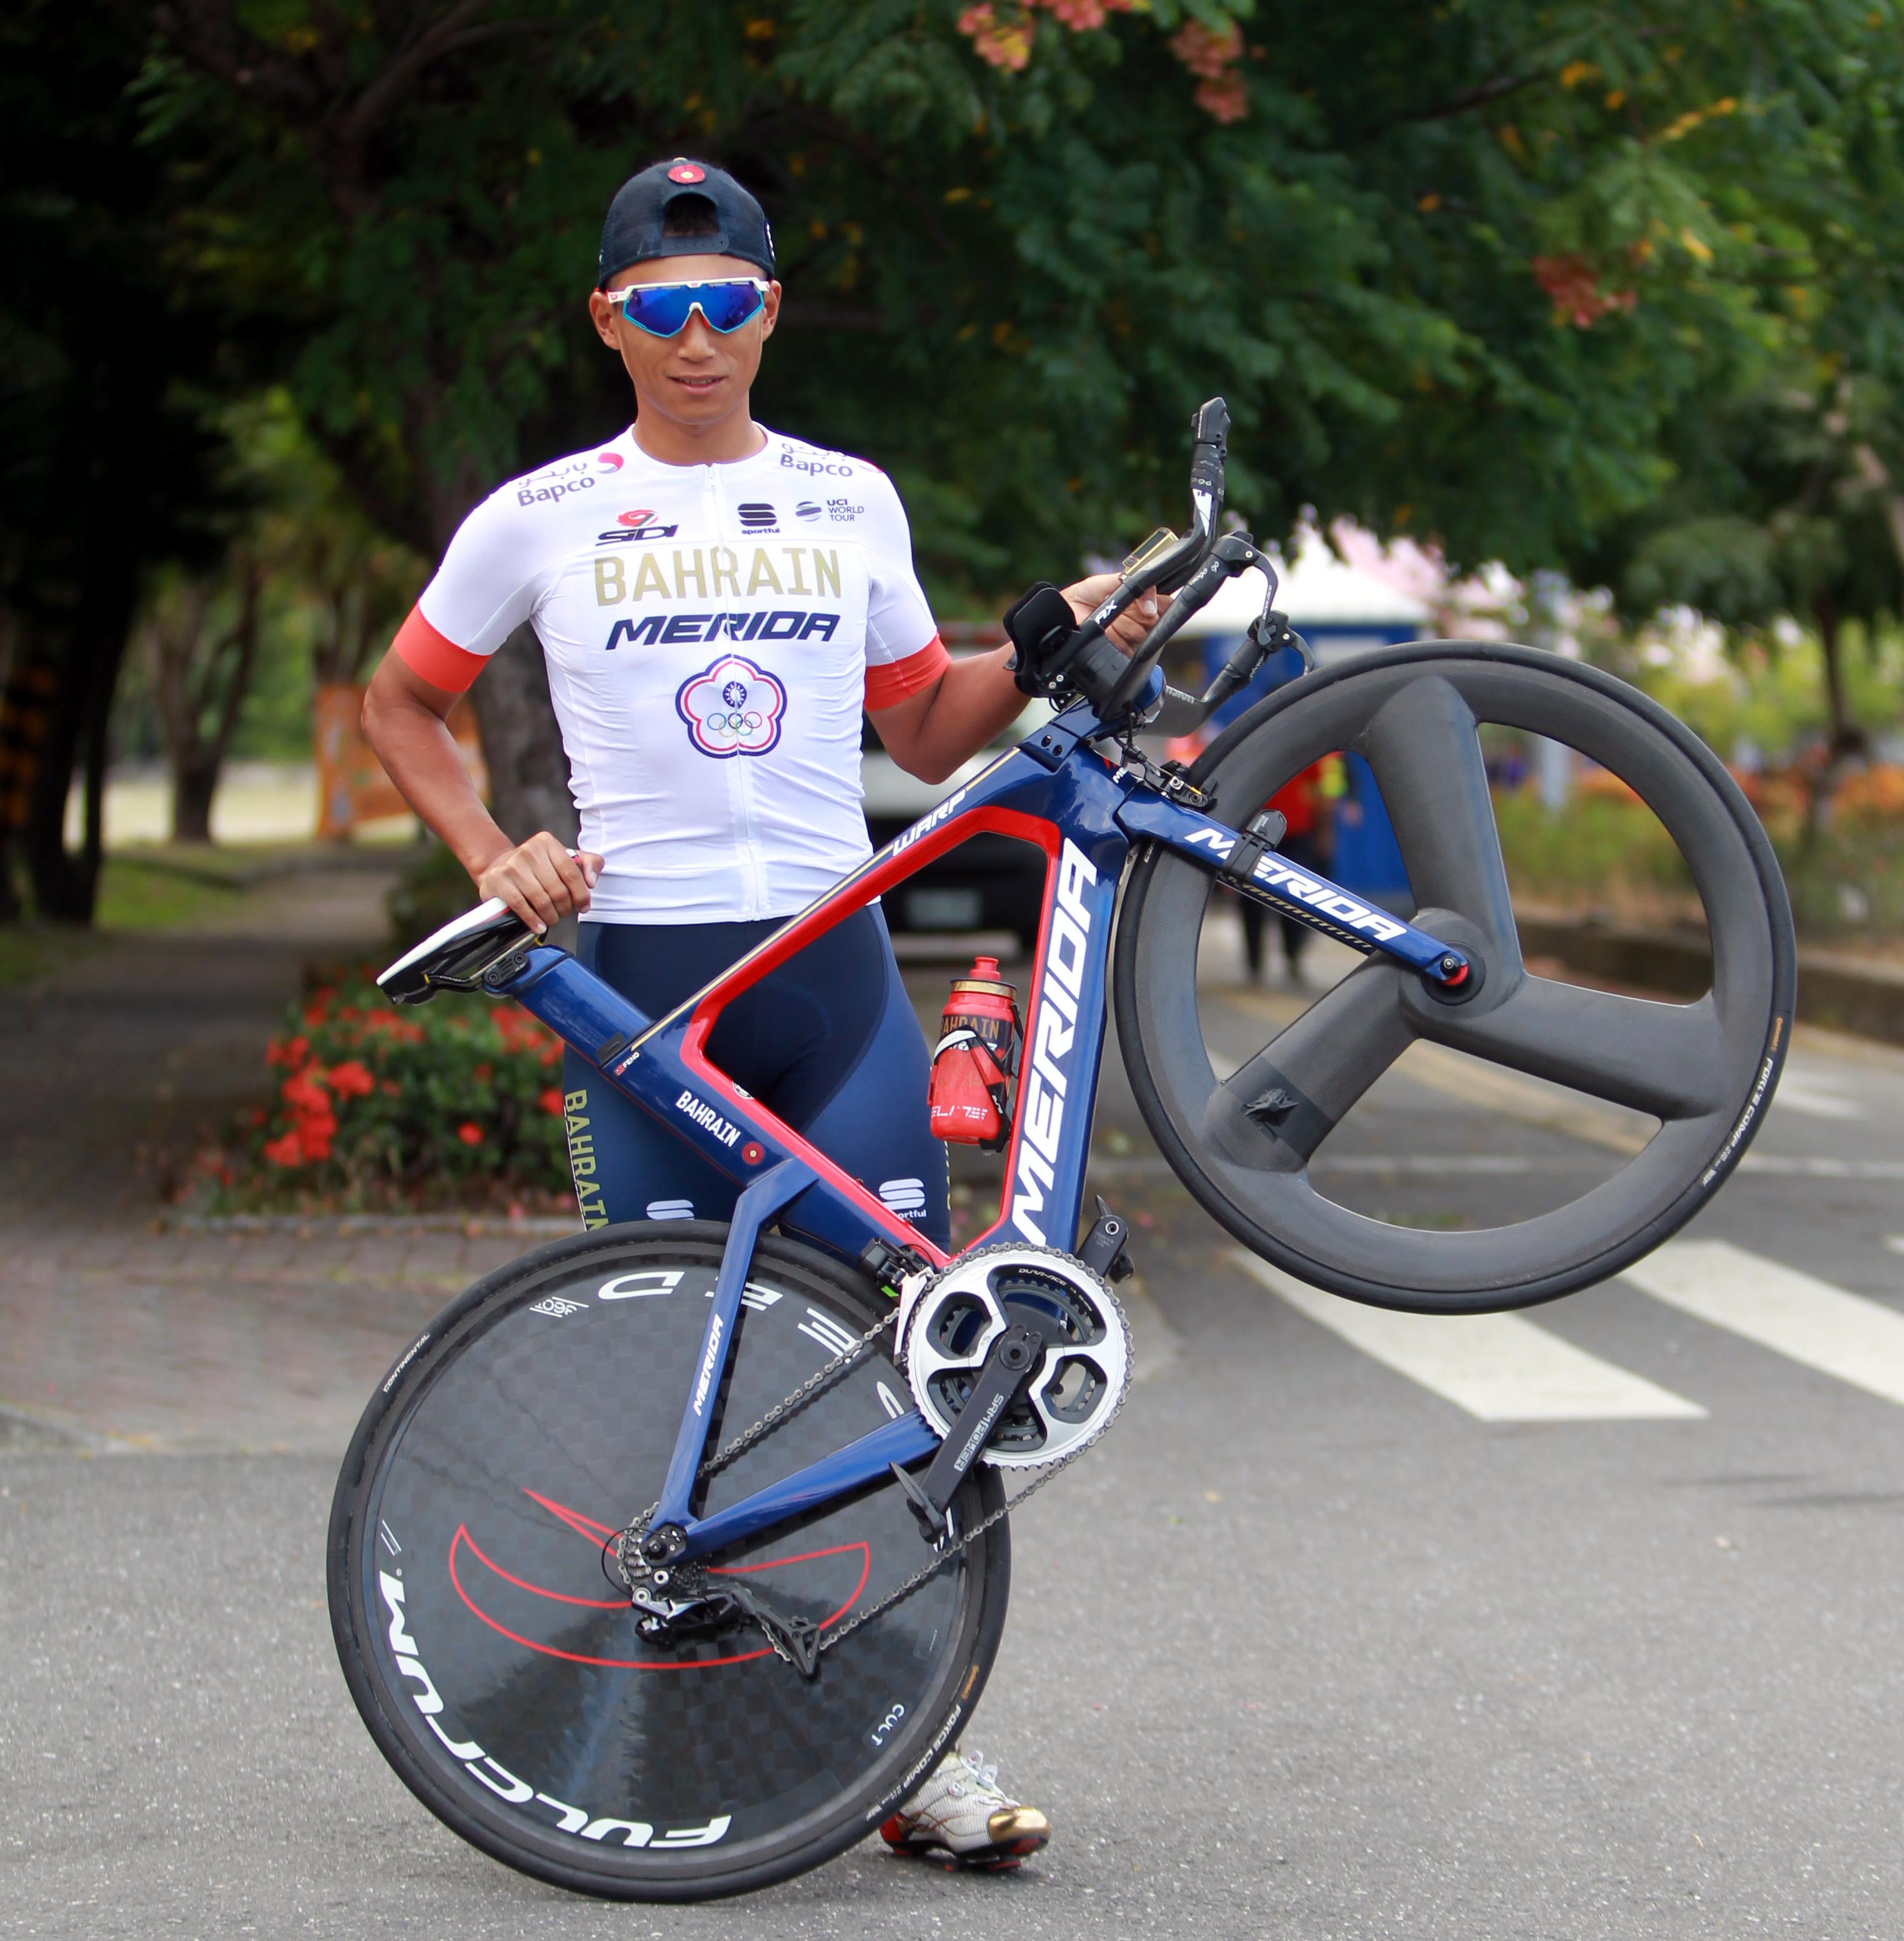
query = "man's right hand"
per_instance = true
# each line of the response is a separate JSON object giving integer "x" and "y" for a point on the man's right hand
{"x": 540, "y": 881}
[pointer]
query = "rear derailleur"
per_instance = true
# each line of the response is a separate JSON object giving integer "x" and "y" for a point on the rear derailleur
{"x": 683, "y": 1601}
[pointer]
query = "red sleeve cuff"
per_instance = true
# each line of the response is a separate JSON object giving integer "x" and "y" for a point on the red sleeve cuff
{"x": 438, "y": 659}
{"x": 886, "y": 687}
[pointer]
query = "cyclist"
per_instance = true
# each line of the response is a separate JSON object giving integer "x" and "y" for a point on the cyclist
{"x": 717, "y": 604}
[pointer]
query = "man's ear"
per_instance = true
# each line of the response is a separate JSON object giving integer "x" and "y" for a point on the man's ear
{"x": 601, "y": 314}
{"x": 770, "y": 311}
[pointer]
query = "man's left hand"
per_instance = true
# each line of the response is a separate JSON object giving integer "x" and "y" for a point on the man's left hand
{"x": 1130, "y": 627}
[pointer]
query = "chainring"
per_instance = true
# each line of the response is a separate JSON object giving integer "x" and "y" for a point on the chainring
{"x": 1083, "y": 1374}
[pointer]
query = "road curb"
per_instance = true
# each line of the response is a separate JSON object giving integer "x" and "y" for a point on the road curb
{"x": 1845, "y": 993}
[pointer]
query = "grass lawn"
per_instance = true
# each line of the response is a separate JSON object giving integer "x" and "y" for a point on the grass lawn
{"x": 139, "y": 893}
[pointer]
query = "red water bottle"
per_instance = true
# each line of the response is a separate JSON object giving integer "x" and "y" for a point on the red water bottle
{"x": 977, "y": 1053}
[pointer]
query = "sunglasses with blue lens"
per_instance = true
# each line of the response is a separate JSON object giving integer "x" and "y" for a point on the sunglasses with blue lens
{"x": 662, "y": 309}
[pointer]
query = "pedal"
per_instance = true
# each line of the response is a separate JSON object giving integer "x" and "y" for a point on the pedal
{"x": 936, "y": 1523}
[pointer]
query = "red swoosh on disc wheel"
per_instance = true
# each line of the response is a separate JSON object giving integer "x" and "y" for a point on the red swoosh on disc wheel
{"x": 597, "y": 1534}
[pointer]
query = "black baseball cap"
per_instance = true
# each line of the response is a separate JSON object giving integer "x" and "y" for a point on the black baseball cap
{"x": 630, "y": 232}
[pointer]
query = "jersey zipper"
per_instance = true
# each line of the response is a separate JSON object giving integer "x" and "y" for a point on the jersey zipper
{"x": 741, "y": 781}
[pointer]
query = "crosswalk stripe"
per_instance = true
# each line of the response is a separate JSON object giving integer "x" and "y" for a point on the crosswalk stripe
{"x": 1500, "y": 1367}
{"x": 1809, "y": 1320}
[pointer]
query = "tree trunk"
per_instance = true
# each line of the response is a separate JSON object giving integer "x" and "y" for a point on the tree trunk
{"x": 193, "y": 784}
{"x": 522, "y": 746}
{"x": 1847, "y": 738}
{"x": 65, "y": 886}
{"x": 26, "y": 713}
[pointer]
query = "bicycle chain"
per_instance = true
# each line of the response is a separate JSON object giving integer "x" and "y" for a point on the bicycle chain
{"x": 815, "y": 1385}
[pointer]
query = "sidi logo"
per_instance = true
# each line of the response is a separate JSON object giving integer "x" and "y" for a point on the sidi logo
{"x": 1054, "y": 1033}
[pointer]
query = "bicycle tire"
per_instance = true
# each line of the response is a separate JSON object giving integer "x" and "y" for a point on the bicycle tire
{"x": 1706, "y": 1071}
{"x": 500, "y": 1673}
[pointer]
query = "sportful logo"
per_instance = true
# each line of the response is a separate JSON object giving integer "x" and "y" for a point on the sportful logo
{"x": 757, "y": 518}
{"x": 1041, "y": 1118}
{"x": 905, "y": 1197}
{"x": 1273, "y": 873}
{"x": 732, "y": 707}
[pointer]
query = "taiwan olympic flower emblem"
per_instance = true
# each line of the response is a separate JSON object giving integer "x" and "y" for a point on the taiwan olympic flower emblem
{"x": 732, "y": 708}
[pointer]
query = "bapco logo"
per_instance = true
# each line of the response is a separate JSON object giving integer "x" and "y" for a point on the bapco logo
{"x": 610, "y": 461}
{"x": 732, "y": 707}
{"x": 758, "y": 518}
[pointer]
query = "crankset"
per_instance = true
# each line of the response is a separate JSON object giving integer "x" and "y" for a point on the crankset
{"x": 1018, "y": 1356}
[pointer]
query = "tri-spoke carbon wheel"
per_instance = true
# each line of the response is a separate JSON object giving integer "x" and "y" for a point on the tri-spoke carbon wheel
{"x": 1704, "y": 1070}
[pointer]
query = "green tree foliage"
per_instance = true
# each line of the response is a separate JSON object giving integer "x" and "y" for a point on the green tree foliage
{"x": 108, "y": 464}
{"x": 1785, "y": 488}
{"x": 1454, "y": 266}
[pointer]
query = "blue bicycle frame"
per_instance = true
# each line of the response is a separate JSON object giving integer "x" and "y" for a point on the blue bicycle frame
{"x": 1065, "y": 789}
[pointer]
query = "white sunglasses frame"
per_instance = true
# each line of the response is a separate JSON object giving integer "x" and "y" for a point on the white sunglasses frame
{"x": 619, "y": 298}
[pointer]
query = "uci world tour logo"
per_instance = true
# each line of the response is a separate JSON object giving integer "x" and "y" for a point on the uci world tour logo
{"x": 733, "y": 708}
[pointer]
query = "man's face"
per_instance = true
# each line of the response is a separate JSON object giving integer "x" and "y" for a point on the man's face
{"x": 699, "y": 375}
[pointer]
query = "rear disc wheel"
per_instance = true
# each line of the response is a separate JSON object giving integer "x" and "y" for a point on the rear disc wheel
{"x": 498, "y": 1664}
{"x": 1704, "y": 1071}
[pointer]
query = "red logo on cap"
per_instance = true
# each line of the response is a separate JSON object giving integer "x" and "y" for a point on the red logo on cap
{"x": 633, "y": 518}
{"x": 686, "y": 171}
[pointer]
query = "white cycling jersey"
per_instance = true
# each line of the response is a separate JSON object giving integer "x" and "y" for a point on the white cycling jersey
{"x": 712, "y": 632}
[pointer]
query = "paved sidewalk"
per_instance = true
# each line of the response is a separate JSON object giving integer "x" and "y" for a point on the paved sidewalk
{"x": 117, "y": 1329}
{"x": 128, "y": 1338}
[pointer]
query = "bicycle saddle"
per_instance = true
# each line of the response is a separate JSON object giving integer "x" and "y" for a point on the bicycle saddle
{"x": 455, "y": 958}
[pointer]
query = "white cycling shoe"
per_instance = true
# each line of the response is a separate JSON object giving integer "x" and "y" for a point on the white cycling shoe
{"x": 960, "y": 1819}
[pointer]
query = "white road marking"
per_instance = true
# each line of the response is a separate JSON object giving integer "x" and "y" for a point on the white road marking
{"x": 1780, "y": 1165}
{"x": 1500, "y": 1367}
{"x": 1800, "y": 1093}
{"x": 1809, "y": 1321}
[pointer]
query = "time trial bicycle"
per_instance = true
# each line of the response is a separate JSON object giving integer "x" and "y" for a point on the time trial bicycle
{"x": 667, "y": 1559}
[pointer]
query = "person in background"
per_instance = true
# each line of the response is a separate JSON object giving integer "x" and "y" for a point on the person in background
{"x": 1306, "y": 803}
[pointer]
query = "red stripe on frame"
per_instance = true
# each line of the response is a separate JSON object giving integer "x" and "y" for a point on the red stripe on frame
{"x": 823, "y": 915}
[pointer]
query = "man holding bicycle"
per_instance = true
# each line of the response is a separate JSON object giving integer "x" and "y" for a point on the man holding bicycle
{"x": 717, "y": 604}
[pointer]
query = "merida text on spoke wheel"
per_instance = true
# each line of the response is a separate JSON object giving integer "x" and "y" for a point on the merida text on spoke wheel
{"x": 1703, "y": 1070}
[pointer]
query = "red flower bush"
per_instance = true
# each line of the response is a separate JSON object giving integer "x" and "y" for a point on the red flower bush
{"x": 450, "y": 1104}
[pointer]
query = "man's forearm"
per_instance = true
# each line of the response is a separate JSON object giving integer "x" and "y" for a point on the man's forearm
{"x": 420, "y": 755}
{"x": 974, "y": 699}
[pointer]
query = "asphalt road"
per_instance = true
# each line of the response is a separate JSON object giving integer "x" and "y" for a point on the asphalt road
{"x": 1588, "y": 1631}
